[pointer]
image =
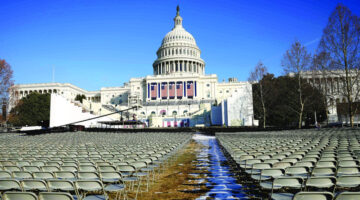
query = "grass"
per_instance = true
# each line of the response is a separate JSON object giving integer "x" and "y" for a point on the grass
{"x": 177, "y": 178}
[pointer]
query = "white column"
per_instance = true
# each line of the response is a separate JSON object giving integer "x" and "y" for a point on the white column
{"x": 167, "y": 95}
{"x": 175, "y": 90}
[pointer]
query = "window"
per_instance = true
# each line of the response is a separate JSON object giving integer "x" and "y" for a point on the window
{"x": 138, "y": 88}
{"x": 152, "y": 87}
{"x": 227, "y": 91}
{"x": 178, "y": 86}
{"x": 162, "y": 87}
{"x": 188, "y": 86}
{"x": 235, "y": 90}
{"x": 208, "y": 85}
{"x": 170, "y": 86}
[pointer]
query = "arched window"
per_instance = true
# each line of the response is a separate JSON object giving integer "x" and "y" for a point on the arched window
{"x": 174, "y": 113}
{"x": 153, "y": 113}
{"x": 163, "y": 112}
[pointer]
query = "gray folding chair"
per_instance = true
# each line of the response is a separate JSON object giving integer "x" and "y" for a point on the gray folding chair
{"x": 19, "y": 196}
{"x": 313, "y": 196}
{"x": 85, "y": 187}
{"x": 293, "y": 183}
{"x": 9, "y": 184}
{"x": 55, "y": 196}
{"x": 348, "y": 196}
{"x": 34, "y": 185}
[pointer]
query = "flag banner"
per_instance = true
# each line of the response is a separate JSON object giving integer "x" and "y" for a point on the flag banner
{"x": 164, "y": 90}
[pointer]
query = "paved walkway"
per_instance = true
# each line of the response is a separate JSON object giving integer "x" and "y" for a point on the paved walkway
{"x": 218, "y": 179}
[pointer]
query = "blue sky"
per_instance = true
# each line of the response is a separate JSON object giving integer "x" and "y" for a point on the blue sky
{"x": 104, "y": 43}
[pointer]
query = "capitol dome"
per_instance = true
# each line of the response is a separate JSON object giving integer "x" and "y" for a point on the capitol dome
{"x": 178, "y": 53}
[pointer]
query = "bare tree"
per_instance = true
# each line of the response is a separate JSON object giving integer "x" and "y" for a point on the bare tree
{"x": 255, "y": 77}
{"x": 6, "y": 81}
{"x": 295, "y": 61}
{"x": 341, "y": 38}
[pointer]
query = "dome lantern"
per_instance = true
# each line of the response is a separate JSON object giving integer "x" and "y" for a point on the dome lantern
{"x": 178, "y": 18}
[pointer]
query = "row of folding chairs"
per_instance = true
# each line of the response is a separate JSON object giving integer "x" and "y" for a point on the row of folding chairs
{"x": 133, "y": 159}
{"x": 326, "y": 196}
{"x": 78, "y": 189}
{"x": 32, "y": 196}
{"x": 297, "y": 157}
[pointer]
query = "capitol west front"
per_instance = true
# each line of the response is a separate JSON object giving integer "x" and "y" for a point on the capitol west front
{"x": 179, "y": 93}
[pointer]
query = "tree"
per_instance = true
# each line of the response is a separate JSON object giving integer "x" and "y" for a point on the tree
{"x": 256, "y": 77}
{"x": 80, "y": 97}
{"x": 6, "y": 75}
{"x": 321, "y": 63}
{"x": 32, "y": 110}
{"x": 296, "y": 60}
{"x": 282, "y": 99}
{"x": 340, "y": 39}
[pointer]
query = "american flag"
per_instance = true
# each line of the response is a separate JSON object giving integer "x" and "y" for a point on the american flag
{"x": 179, "y": 89}
{"x": 190, "y": 89}
{"x": 153, "y": 90}
{"x": 164, "y": 90}
{"x": 171, "y": 89}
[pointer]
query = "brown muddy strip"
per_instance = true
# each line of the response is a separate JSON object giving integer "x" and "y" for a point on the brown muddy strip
{"x": 180, "y": 180}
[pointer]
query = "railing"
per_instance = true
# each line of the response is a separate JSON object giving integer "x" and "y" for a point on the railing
{"x": 110, "y": 108}
{"x": 176, "y": 102}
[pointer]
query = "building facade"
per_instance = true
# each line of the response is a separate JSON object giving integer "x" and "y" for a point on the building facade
{"x": 178, "y": 93}
{"x": 332, "y": 85}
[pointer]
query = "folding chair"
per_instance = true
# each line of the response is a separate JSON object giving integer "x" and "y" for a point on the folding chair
{"x": 69, "y": 168}
{"x": 113, "y": 181}
{"x": 43, "y": 175}
{"x": 348, "y": 182}
{"x": 55, "y": 185}
{"x": 85, "y": 187}
{"x": 106, "y": 168}
{"x": 267, "y": 174}
{"x": 297, "y": 171}
{"x": 66, "y": 175}
{"x": 55, "y": 196}
{"x": 88, "y": 176}
{"x": 5, "y": 174}
{"x": 322, "y": 182}
{"x": 10, "y": 184}
{"x": 31, "y": 168}
{"x": 11, "y": 168}
{"x": 348, "y": 196}
{"x": 48, "y": 168}
{"x": 33, "y": 185}
{"x": 323, "y": 171}
{"x": 20, "y": 175}
{"x": 19, "y": 195}
{"x": 288, "y": 183}
{"x": 87, "y": 168}
{"x": 313, "y": 196}
{"x": 348, "y": 171}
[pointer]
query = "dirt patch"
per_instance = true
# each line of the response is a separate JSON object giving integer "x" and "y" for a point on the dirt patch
{"x": 178, "y": 180}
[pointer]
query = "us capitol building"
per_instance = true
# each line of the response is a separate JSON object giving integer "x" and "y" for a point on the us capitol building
{"x": 179, "y": 93}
